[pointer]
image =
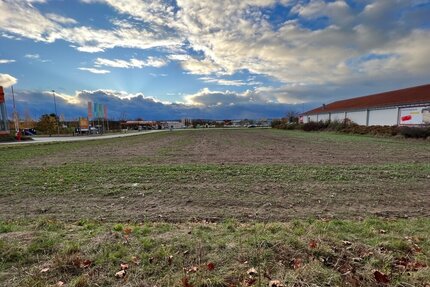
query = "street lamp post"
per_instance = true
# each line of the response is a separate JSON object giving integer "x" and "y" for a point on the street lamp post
{"x": 56, "y": 114}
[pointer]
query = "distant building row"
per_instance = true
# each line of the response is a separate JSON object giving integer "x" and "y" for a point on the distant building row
{"x": 409, "y": 107}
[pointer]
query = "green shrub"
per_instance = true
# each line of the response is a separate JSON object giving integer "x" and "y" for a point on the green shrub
{"x": 315, "y": 126}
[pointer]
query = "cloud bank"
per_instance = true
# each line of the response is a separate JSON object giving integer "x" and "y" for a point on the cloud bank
{"x": 131, "y": 106}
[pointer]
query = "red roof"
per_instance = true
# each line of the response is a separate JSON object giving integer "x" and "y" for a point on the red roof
{"x": 414, "y": 95}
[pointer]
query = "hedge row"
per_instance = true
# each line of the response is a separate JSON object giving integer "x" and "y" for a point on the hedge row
{"x": 352, "y": 128}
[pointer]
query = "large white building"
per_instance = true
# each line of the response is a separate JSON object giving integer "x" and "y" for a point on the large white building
{"x": 409, "y": 107}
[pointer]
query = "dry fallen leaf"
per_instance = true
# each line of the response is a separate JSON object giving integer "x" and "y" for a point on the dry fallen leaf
{"x": 210, "y": 266}
{"x": 276, "y": 283}
{"x": 193, "y": 269}
{"x": 346, "y": 242}
{"x": 120, "y": 274}
{"x": 296, "y": 263}
{"x": 44, "y": 270}
{"x": 381, "y": 277}
{"x": 60, "y": 283}
{"x": 135, "y": 260}
{"x": 313, "y": 244}
{"x": 128, "y": 230}
{"x": 86, "y": 263}
{"x": 252, "y": 272}
{"x": 124, "y": 266}
{"x": 185, "y": 282}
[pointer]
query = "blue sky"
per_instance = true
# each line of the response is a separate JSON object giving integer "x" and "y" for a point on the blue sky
{"x": 168, "y": 59}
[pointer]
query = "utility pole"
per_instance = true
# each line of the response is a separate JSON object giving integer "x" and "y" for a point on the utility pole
{"x": 56, "y": 114}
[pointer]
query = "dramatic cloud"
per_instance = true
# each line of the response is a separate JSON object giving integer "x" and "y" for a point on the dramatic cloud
{"x": 131, "y": 106}
{"x": 304, "y": 51}
{"x": 7, "y": 80}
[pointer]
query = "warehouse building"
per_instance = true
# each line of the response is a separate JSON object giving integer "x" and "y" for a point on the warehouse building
{"x": 408, "y": 107}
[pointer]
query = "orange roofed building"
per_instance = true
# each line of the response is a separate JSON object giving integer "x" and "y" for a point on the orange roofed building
{"x": 408, "y": 107}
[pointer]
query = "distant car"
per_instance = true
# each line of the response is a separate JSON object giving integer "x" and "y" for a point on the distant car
{"x": 29, "y": 132}
{"x": 252, "y": 126}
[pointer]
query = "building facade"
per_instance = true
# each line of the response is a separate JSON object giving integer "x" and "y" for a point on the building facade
{"x": 406, "y": 107}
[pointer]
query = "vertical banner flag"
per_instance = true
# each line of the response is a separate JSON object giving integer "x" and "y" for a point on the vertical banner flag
{"x": 90, "y": 110}
{"x": 96, "y": 111}
{"x": 100, "y": 111}
{"x": 105, "y": 112}
{"x": 1, "y": 95}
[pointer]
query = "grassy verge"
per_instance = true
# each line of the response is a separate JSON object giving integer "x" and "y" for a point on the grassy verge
{"x": 44, "y": 252}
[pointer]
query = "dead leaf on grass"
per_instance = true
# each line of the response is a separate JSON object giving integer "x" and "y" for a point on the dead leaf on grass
{"x": 276, "y": 283}
{"x": 135, "y": 260}
{"x": 252, "y": 272}
{"x": 44, "y": 270}
{"x": 128, "y": 230}
{"x": 381, "y": 277}
{"x": 346, "y": 242}
{"x": 185, "y": 282}
{"x": 296, "y": 263}
{"x": 406, "y": 264}
{"x": 86, "y": 263}
{"x": 170, "y": 259}
{"x": 313, "y": 244}
{"x": 124, "y": 266}
{"x": 210, "y": 266}
{"x": 60, "y": 283}
{"x": 120, "y": 274}
{"x": 192, "y": 269}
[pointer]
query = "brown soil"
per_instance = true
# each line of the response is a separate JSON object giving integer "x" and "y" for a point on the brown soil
{"x": 217, "y": 196}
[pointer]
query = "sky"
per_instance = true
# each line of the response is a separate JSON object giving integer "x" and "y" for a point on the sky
{"x": 224, "y": 59}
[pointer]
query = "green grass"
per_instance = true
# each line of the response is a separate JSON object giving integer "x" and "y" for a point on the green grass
{"x": 233, "y": 248}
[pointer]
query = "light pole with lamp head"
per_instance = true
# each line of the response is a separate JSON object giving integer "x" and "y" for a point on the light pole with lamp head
{"x": 56, "y": 114}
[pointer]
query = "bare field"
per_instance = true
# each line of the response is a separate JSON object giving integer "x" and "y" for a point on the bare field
{"x": 248, "y": 174}
{"x": 216, "y": 208}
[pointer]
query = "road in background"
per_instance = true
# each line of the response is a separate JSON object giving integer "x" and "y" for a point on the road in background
{"x": 81, "y": 138}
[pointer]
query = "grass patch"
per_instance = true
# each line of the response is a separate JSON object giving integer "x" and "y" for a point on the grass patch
{"x": 307, "y": 252}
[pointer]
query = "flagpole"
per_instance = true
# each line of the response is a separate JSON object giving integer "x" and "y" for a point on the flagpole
{"x": 15, "y": 113}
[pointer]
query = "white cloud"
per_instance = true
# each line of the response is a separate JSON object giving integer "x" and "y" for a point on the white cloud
{"x": 226, "y": 37}
{"x": 94, "y": 70}
{"x": 7, "y": 80}
{"x": 6, "y": 61}
{"x": 208, "y": 98}
{"x": 223, "y": 82}
{"x": 36, "y": 57}
{"x": 132, "y": 63}
{"x": 60, "y": 19}
{"x": 89, "y": 49}
{"x": 32, "y": 56}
